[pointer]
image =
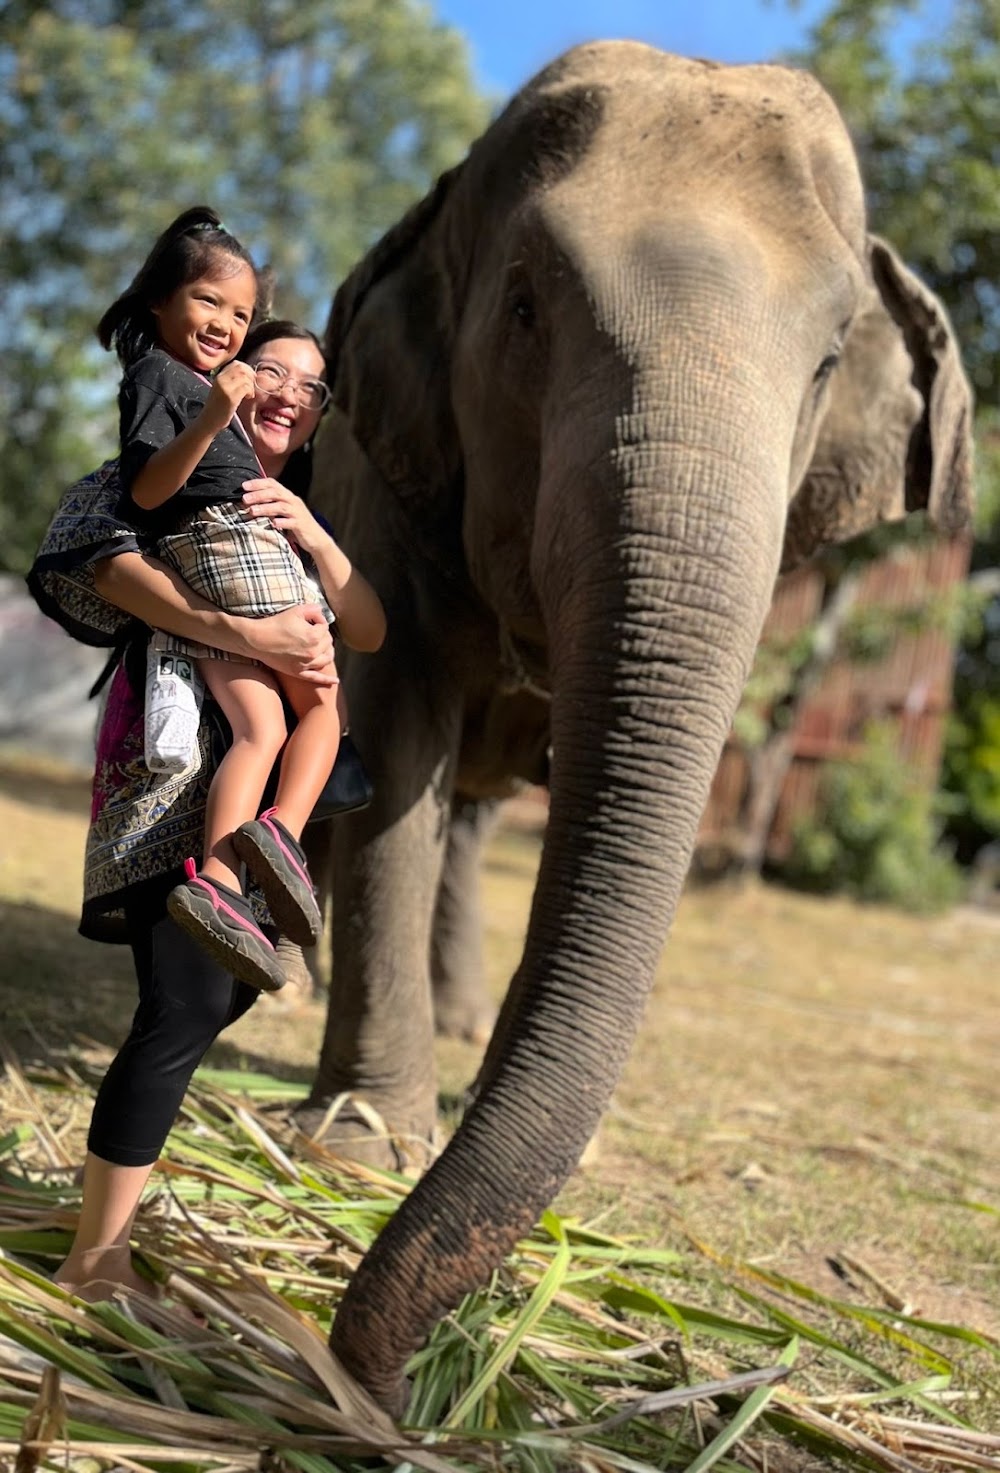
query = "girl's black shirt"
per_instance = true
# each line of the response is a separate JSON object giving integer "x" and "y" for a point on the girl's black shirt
{"x": 158, "y": 398}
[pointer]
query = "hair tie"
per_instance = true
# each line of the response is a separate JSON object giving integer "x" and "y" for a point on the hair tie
{"x": 206, "y": 225}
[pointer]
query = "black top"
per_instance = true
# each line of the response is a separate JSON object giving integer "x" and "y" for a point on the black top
{"x": 158, "y": 398}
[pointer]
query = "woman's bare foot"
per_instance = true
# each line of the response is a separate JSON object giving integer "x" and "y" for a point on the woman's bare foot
{"x": 99, "y": 1273}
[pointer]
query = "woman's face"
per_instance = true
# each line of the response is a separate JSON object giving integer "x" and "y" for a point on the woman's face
{"x": 276, "y": 421}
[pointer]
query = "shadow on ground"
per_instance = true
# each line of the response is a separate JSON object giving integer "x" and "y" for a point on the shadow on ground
{"x": 64, "y": 791}
{"x": 60, "y": 993}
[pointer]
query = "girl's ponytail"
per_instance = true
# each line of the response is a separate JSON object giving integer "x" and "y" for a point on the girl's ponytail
{"x": 199, "y": 217}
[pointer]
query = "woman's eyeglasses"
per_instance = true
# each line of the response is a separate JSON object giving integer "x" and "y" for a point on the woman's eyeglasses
{"x": 271, "y": 378}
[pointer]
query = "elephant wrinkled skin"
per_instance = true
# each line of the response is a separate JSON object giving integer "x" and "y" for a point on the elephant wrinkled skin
{"x": 633, "y": 355}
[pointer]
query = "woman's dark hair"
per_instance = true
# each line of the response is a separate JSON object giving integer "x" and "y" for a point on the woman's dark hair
{"x": 297, "y": 474}
{"x": 186, "y": 250}
{"x": 269, "y": 331}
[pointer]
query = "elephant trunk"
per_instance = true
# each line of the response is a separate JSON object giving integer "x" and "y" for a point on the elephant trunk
{"x": 658, "y": 594}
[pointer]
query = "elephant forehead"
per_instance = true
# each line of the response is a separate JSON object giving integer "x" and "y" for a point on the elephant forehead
{"x": 653, "y": 85}
{"x": 664, "y": 132}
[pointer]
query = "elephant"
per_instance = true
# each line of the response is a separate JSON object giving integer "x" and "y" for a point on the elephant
{"x": 634, "y": 355}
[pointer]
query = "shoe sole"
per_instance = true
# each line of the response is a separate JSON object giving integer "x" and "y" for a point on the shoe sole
{"x": 234, "y": 950}
{"x": 294, "y": 911}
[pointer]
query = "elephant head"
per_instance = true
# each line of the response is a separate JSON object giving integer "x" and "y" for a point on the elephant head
{"x": 630, "y": 355}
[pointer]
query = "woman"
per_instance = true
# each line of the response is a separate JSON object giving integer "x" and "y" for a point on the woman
{"x": 144, "y": 825}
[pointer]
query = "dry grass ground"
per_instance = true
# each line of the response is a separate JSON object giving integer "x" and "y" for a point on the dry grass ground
{"x": 815, "y": 1093}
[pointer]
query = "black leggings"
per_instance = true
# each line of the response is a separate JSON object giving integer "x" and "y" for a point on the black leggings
{"x": 185, "y": 1001}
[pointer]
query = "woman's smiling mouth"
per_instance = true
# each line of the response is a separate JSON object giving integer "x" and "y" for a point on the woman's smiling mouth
{"x": 277, "y": 418}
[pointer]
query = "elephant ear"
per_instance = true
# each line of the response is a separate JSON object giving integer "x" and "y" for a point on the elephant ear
{"x": 897, "y": 433}
{"x": 388, "y": 347}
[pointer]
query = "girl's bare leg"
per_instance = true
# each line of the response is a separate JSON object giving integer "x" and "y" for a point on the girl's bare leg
{"x": 100, "y": 1260}
{"x": 310, "y": 752}
{"x": 251, "y": 702}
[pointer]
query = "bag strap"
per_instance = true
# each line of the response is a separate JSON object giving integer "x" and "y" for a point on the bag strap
{"x": 111, "y": 664}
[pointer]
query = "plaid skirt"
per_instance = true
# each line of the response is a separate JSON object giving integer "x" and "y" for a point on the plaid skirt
{"x": 240, "y": 562}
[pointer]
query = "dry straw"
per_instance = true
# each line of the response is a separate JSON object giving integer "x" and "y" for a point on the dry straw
{"x": 585, "y": 1352}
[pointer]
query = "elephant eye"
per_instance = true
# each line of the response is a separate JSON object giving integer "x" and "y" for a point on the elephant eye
{"x": 827, "y": 366}
{"x": 832, "y": 358}
{"x": 523, "y": 309}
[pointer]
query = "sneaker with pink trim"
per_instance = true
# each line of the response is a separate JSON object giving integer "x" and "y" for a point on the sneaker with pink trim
{"x": 278, "y": 864}
{"x": 221, "y": 921}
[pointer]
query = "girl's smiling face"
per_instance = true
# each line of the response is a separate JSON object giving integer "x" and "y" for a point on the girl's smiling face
{"x": 276, "y": 422}
{"x": 204, "y": 322}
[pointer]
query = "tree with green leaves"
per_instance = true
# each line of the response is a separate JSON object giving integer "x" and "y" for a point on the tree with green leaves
{"x": 309, "y": 124}
{"x": 925, "y": 118}
{"x": 927, "y": 127}
{"x": 926, "y": 122}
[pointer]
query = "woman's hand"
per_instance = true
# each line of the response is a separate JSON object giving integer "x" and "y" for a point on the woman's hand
{"x": 296, "y": 642}
{"x": 269, "y": 498}
{"x": 355, "y": 604}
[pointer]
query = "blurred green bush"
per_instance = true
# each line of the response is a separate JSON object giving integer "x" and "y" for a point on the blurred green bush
{"x": 875, "y": 834}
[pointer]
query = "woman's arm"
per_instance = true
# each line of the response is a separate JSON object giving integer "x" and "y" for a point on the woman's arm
{"x": 295, "y": 642}
{"x": 358, "y": 608}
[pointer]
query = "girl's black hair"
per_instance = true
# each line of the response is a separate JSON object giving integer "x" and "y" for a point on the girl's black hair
{"x": 297, "y": 474}
{"x": 186, "y": 250}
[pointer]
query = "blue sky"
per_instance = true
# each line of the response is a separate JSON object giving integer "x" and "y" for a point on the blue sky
{"x": 510, "y": 39}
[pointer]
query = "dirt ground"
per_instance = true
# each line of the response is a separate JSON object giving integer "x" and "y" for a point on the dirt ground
{"x": 815, "y": 1090}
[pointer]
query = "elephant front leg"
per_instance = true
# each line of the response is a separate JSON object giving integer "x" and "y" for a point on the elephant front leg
{"x": 375, "y": 1094}
{"x": 462, "y": 1005}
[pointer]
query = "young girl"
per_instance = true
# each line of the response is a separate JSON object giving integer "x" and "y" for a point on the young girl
{"x": 184, "y": 460}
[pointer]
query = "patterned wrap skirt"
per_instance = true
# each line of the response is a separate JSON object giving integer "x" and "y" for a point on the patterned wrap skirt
{"x": 143, "y": 824}
{"x": 241, "y": 563}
